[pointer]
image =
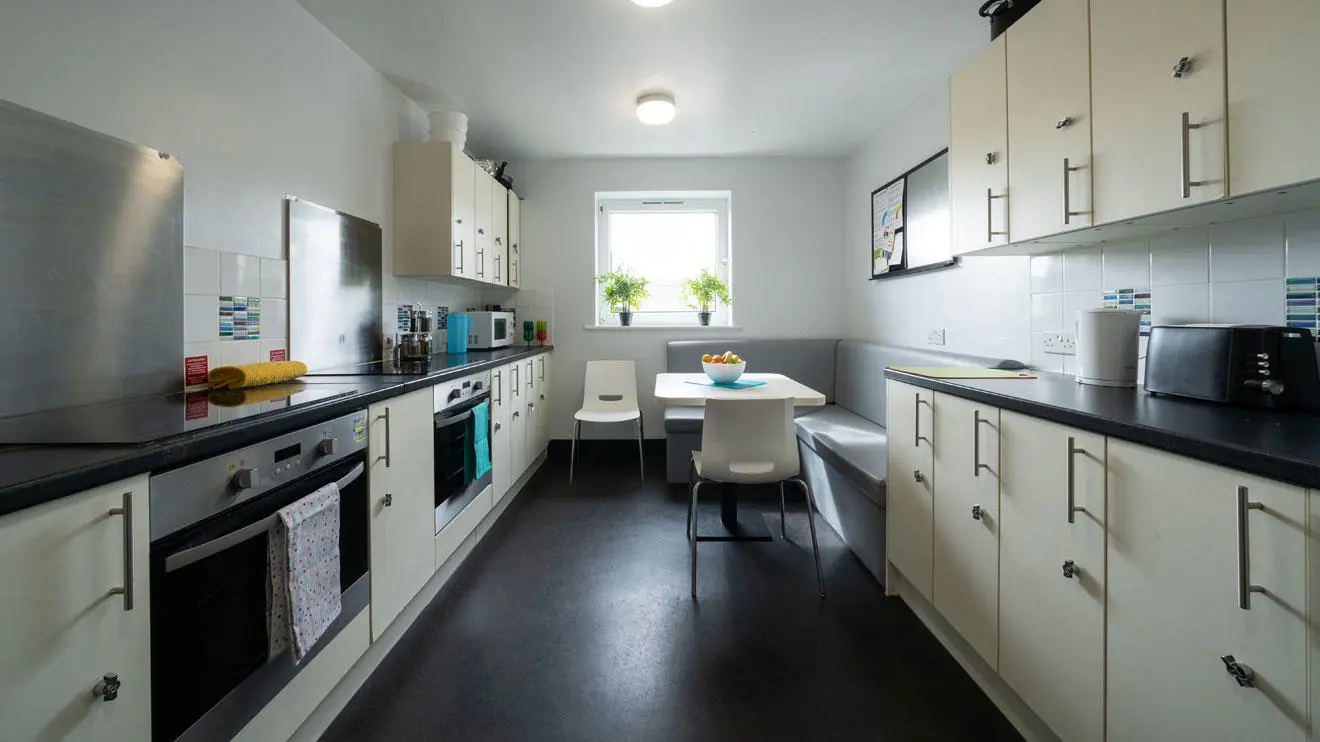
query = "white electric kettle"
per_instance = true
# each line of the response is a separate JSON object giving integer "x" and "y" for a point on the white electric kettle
{"x": 1107, "y": 346}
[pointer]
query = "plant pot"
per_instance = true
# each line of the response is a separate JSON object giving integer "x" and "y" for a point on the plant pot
{"x": 704, "y": 318}
{"x": 625, "y": 319}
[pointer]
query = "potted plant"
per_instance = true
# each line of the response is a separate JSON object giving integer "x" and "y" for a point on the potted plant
{"x": 623, "y": 292}
{"x": 702, "y": 293}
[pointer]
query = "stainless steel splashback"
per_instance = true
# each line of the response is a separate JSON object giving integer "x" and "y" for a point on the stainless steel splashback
{"x": 334, "y": 286}
{"x": 91, "y": 266}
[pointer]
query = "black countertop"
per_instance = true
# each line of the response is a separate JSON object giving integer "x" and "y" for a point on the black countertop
{"x": 1284, "y": 446}
{"x": 31, "y": 475}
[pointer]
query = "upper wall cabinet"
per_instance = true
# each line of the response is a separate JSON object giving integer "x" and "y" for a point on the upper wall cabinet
{"x": 1049, "y": 120}
{"x": 1273, "y": 99}
{"x": 1158, "y": 122}
{"x": 978, "y": 151}
{"x": 515, "y": 240}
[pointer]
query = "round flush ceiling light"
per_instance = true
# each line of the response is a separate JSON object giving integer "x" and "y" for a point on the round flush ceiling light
{"x": 651, "y": 3}
{"x": 656, "y": 109}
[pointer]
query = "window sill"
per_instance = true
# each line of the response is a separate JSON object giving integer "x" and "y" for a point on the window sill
{"x": 674, "y": 328}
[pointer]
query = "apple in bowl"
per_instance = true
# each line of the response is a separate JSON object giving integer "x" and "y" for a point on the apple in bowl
{"x": 725, "y": 368}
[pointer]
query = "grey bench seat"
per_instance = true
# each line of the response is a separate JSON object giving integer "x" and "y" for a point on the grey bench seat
{"x": 850, "y": 443}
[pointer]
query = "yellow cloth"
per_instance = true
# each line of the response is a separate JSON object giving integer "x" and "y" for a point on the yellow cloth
{"x": 240, "y": 397}
{"x": 255, "y": 374}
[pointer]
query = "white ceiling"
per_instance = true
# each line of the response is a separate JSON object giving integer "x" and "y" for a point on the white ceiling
{"x": 559, "y": 78}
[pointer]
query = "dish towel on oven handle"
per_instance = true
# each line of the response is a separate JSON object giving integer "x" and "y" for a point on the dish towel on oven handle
{"x": 303, "y": 593}
{"x": 481, "y": 439}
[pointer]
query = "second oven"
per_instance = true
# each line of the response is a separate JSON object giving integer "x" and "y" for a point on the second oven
{"x": 459, "y": 427}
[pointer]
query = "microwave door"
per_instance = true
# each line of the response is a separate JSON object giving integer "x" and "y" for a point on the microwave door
{"x": 501, "y": 329}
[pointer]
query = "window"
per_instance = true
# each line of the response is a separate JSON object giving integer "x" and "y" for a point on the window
{"x": 667, "y": 238}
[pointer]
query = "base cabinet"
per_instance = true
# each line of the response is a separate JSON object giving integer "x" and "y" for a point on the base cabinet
{"x": 64, "y": 627}
{"x": 501, "y": 455}
{"x": 1176, "y": 609}
{"x": 910, "y": 494}
{"x": 1051, "y": 619}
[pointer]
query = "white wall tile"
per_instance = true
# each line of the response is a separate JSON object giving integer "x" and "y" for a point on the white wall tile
{"x": 1082, "y": 269}
{"x": 1246, "y": 251}
{"x": 1126, "y": 266}
{"x": 201, "y": 318}
{"x": 1046, "y": 273}
{"x": 1180, "y": 258}
{"x": 274, "y": 318}
{"x": 1180, "y": 305}
{"x": 240, "y": 275}
{"x": 1250, "y": 302}
{"x": 274, "y": 279}
{"x": 1303, "y": 244}
{"x": 1042, "y": 360}
{"x": 1047, "y": 312}
{"x": 1075, "y": 300}
{"x": 201, "y": 271}
{"x": 240, "y": 352}
{"x": 1069, "y": 365}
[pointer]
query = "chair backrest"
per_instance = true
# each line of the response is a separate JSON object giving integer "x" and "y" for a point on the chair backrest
{"x": 749, "y": 440}
{"x": 611, "y": 386}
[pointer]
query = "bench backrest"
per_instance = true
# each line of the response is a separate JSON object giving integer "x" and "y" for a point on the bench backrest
{"x": 861, "y": 367}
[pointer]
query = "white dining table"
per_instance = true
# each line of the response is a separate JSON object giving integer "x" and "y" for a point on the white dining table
{"x": 676, "y": 390}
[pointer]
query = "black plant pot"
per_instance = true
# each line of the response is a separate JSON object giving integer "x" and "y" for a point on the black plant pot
{"x": 704, "y": 318}
{"x": 625, "y": 319}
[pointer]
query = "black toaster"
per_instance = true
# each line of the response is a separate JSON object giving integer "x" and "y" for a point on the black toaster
{"x": 1245, "y": 365}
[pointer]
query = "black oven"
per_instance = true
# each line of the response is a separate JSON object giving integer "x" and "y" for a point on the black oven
{"x": 210, "y": 671}
{"x": 456, "y": 473}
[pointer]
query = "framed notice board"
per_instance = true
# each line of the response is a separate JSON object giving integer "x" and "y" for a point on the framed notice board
{"x": 910, "y": 221}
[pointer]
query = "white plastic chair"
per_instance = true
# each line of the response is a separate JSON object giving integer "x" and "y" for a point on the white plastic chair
{"x": 750, "y": 441}
{"x": 609, "y": 396}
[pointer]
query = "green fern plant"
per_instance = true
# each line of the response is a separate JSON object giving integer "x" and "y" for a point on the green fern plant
{"x": 703, "y": 292}
{"x": 623, "y": 291}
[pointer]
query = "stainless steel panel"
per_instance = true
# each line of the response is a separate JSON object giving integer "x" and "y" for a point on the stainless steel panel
{"x": 91, "y": 266}
{"x": 334, "y": 286}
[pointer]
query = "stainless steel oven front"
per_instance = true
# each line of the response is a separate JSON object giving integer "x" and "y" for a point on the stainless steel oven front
{"x": 210, "y": 670}
{"x": 458, "y": 479}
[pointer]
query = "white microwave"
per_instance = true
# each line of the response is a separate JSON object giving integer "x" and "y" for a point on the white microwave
{"x": 490, "y": 330}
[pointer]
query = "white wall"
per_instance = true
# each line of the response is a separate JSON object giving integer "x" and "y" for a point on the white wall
{"x": 256, "y": 98}
{"x": 787, "y": 217}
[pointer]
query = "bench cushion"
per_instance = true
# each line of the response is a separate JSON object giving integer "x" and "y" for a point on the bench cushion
{"x": 850, "y": 443}
{"x": 684, "y": 419}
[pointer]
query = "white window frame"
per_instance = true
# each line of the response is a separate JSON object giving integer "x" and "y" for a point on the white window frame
{"x": 720, "y": 202}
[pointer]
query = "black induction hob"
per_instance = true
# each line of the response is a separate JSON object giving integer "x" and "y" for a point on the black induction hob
{"x": 435, "y": 364}
{"x": 135, "y": 422}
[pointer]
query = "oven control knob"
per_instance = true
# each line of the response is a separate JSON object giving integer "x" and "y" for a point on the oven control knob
{"x": 244, "y": 479}
{"x": 328, "y": 447}
{"x": 456, "y": 394}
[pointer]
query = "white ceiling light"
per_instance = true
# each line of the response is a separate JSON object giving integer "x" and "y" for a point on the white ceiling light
{"x": 652, "y": 3}
{"x": 656, "y": 109}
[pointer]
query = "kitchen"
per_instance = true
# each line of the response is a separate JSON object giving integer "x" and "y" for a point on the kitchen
{"x": 313, "y": 119}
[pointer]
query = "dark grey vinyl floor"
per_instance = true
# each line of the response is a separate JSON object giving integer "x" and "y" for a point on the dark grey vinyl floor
{"x": 572, "y": 621}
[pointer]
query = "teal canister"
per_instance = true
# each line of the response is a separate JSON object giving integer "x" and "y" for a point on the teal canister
{"x": 458, "y": 326}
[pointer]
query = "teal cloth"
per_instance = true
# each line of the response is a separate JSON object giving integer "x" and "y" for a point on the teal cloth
{"x": 481, "y": 422}
{"x": 739, "y": 384}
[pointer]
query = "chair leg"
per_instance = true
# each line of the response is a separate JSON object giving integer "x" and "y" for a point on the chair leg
{"x": 811, "y": 521}
{"x": 696, "y": 487}
{"x": 572, "y": 459}
{"x": 692, "y": 482}
{"x": 783, "y": 514}
{"x": 641, "y": 457}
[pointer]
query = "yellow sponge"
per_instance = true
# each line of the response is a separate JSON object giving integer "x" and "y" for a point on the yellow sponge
{"x": 255, "y": 374}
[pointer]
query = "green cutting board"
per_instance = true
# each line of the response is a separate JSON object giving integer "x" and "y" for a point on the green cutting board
{"x": 962, "y": 372}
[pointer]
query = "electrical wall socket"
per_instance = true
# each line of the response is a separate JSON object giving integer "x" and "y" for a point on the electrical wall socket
{"x": 1059, "y": 344}
{"x": 935, "y": 337}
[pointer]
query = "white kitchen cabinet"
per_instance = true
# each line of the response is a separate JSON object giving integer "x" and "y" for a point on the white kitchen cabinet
{"x": 401, "y": 449}
{"x": 518, "y": 451}
{"x": 1049, "y": 120}
{"x": 64, "y": 625}
{"x": 1159, "y": 139}
{"x": 1273, "y": 101}
{"x": 1176, "y": 551}
{"x": 501, "y": 453}
{"x": 966, "y": 514}
{"x": 500, "y": 259}
{"x": 542, "y": 437}
{"x": 909, "y": 490}
{"x": 435, "y": 203}
{"x": 515, "y": 240}
{"x": 534, "y": 408}
{"x": 1052, "y": 626}
{"x": 978, "y": 151}
{"x": 484, "y": 199}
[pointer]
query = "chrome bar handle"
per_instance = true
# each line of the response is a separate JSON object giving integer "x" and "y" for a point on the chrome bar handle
{"x": 531, "y": 374}
{"x": 916, "y": 420}
{"x": 1073, "y": 451}
{"x": 1245, "y": 588}
{"x": 459, "y": 246}
{"x": 127, "y": 590}
{"x": 1187, "y": 183}
{"x": 516, "y": 386}
{"x": 499, "y": 382}
{"x": 386, "y": 418}
{"x": 977, "y": 466}
{"x": 990, "y": 198}
{"x": 541, "y": 360}
{"x": 1068, "y": 170}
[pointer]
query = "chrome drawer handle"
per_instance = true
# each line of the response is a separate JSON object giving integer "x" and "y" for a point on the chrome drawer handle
{"x": 127, "y": 590}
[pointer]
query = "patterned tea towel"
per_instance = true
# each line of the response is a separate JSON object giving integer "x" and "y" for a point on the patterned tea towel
{"x": 303, "y": 593}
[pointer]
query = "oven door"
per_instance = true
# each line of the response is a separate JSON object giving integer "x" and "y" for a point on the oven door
{"x": 210, "y": 674}
{"x": 456, "y": 482}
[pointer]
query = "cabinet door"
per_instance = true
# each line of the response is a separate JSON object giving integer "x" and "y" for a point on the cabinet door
{"x": 63, "y": 627}
{"x": 978, "y": 150}
{"x": 517, "y": 422}
{"x": 465, "y": 215}
{"x": 1144, "y": 158}
{"x": 485, "y": 211}
{"x": 500, "y": 452}
{"x": 966, "y": 533}
{"x": 542, "y": 402}
{"x": 1052, "y": 627}
{"x": 500, "y": 243}
{"x": 402, "y": 451}
{"x": 1049, "y": 120}
{"x": 515, "y": 240}
{"x": 533, "y": 389}
{"x": 909, "y": 490}
{"x": 1175, "y": 606}
{"x": 1273, "y": 101}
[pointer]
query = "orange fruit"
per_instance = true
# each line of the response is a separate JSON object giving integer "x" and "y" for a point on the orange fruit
{"x": 706, "y": 358}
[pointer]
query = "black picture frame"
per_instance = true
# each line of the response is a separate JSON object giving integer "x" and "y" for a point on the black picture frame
{"x": 903, "y": 266}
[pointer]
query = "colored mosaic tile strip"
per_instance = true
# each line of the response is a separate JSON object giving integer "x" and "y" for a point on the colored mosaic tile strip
{"x": 1136, "y": 299}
